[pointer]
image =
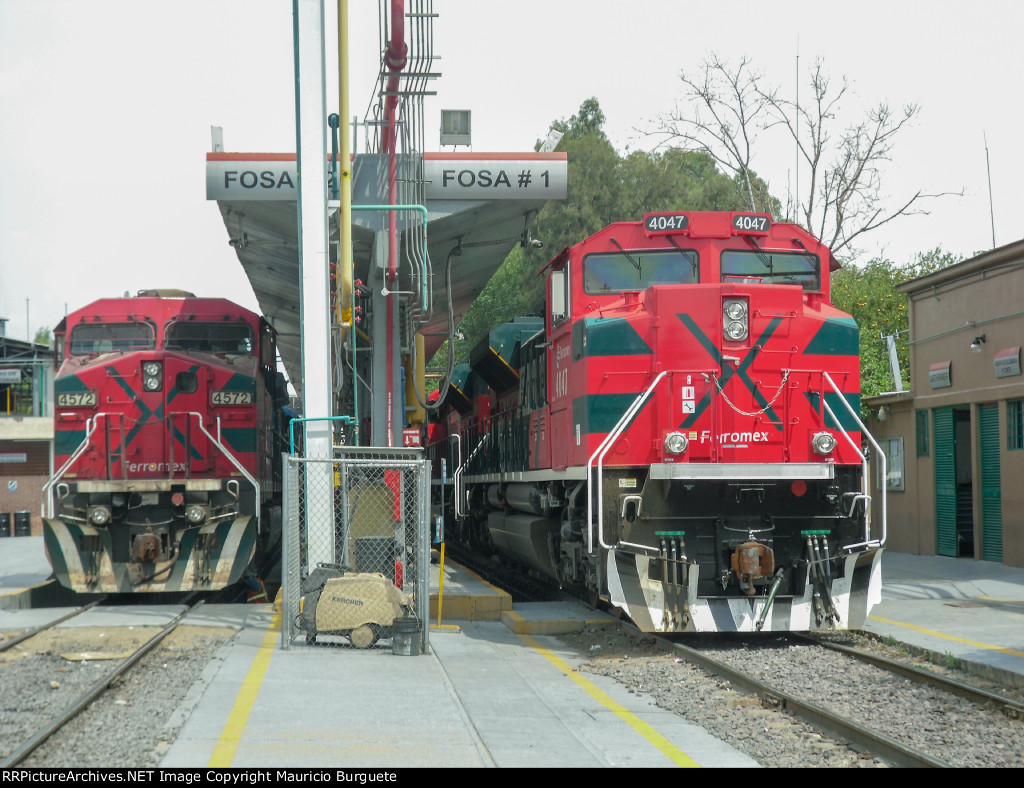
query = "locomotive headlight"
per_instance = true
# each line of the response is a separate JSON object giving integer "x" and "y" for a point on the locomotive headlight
{"x": 735, "y": 310}
{"x": 152, "y": 375}
{"x": 736, "y": 330}
{"x": 99, "y": 515}
{"x": 823, "y": 443}
{"x": 195, "y": 514}
{"x": 676, "y": 443}
{"x": 734, "y": 319}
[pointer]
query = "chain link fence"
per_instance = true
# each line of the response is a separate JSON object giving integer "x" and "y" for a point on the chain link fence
{"x": 356, "y": 549}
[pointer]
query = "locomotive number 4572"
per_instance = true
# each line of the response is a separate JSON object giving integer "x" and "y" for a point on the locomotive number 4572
{"x": 231, "y": 398}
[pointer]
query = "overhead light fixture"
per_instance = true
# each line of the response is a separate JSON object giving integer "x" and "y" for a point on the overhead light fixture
{"x": 883, "y": 413}
{"x": 977, "y": 343}
{"x": 455, "y": 127}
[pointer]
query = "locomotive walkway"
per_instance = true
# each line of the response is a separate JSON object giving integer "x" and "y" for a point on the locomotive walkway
{"x": 496, "y": 688}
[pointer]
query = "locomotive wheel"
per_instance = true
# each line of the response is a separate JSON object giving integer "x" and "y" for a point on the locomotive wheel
{"x": 364, "y": 636}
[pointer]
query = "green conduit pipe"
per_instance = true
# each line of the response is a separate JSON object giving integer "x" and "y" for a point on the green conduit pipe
{"x": 291, "y": 427}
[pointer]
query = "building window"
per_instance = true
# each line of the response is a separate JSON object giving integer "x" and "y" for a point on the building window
{"x": 921, "y": 418}
{"x": 1015, "y": 424}
{"x": 893, "y": 448}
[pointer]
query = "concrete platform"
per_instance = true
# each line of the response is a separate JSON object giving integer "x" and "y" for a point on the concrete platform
{"x": 495, "y": 687}
{"x": 971, "y": 610}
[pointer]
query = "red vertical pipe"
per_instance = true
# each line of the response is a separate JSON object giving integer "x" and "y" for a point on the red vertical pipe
{"x": 395, "y": 58}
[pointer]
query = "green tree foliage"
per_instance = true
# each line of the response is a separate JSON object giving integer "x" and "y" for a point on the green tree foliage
{"x": 43, "y": 337}
{"x": 506, "y": 296}
{"x": 603, "y": 187}
{"x": 868, "y": 293}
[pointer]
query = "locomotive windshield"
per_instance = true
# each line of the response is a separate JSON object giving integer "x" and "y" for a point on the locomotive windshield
{"x": 777, "y": 268}
{"x": 613, "y": 272}
{"x": 90, "y": 338}
{"x": 233, "y": 338}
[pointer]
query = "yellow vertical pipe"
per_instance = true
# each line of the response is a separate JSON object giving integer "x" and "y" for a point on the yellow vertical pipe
{"x": 415, "y": 377}
{"x": 344, "y": 279}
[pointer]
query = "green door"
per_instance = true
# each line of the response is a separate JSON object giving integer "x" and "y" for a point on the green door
{"x": 991, "y": 487}
{"x": 945, "y": 482}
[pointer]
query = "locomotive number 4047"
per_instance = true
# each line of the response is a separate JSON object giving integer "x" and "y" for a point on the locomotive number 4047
{"x": 665, "y": 222}
{"x": 751, "y": 223}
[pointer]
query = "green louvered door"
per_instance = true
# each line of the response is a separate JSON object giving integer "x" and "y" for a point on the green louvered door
{"x": 945, "y": 482}
{"x": 991, "y": 487}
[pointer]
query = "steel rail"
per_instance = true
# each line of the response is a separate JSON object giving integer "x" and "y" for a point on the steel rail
{"x": 49, "y": 625}
{"x": 1008, "y": 706}
{"x": 72, "y": 710}
{"x": 861, "y": 738}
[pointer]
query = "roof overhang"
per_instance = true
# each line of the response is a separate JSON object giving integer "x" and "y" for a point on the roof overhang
{"x": 480, "y": 202}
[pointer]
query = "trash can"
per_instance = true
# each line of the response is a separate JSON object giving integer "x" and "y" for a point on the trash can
{"x": 405, "y": 636}
{"x": 5, "y": 524}
{"x": 23, "y": 524}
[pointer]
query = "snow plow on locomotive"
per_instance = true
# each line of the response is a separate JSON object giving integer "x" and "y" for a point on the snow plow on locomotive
{"x": 167, "y": 423}
{"x": 679, "y": 435}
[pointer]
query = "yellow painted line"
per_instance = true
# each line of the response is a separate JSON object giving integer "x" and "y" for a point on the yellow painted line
{"x": 673, "y": 753}
{"x": 224, "y": 753}
{"x": 944, "y": 636}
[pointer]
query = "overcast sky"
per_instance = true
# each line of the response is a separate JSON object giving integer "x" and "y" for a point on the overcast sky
{"x": 106, "y": 108}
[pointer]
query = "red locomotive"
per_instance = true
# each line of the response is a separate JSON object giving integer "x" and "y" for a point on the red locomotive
{"x": 167, "y": 421}
{"x": 678, "y": 436}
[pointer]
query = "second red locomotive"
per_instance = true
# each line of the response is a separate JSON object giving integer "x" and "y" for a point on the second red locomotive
{"x": 167, "y": 423}
{"x": 678, "y": 435}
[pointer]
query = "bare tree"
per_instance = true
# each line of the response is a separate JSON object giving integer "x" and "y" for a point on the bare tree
{"x": 725, "y": 110}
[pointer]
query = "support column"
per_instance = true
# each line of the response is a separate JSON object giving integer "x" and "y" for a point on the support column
{"x": 314, "y": 284}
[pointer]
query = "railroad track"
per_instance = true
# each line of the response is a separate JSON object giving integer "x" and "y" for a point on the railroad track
{"x": 49, "y": 625}
{"x": 859, "y": 730}
{"x": 1010, "y": 707}
{"x": 836, "y": 725}
{"x": 856, "y": 730}
{"x": 47, "y": 730}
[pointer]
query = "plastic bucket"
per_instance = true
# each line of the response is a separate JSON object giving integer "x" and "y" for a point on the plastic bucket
{"x": 405, "y": 636}
{"x": 5, "y": 524}
{"x": 23, "y": 524}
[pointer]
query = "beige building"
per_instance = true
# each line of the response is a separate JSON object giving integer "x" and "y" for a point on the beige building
{"x": 955, "y": 440}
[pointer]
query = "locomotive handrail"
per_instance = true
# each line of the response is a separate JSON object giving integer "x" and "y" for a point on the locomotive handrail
{"x": 868, "y": 542}
{"x": 89, "y": 430}
{"x": 457, "y": 473}
{"x": 483, "y": 439}
{"x": 224, "y": 450}
{"x": 606, "y": 444}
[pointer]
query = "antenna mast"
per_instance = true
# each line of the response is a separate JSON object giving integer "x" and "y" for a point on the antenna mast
{"x": 991, "y": 210}
{"x": 796, "y": 134}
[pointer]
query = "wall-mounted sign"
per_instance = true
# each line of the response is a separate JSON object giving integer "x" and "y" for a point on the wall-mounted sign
{"x": 939, "y": 376}
{"x": 448, "y": 176}
{"x": 1007, "y": 362}
{"x": 8, "y": 375}
{"x": 251, "y": 176}
{"x": 496, "y": 176}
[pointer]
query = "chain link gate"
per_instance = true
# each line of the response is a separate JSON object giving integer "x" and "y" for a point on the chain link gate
{"x": 356, "y": 549}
